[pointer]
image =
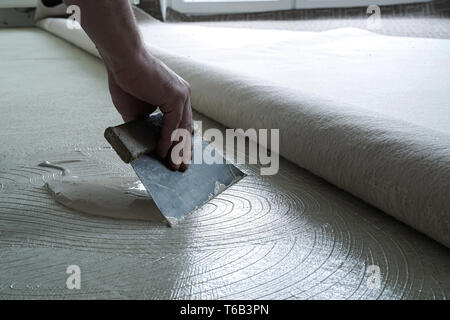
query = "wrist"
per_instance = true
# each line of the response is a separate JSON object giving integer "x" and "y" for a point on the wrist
{"x": 127, "y": 58}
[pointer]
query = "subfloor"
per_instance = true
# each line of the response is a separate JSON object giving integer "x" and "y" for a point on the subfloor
{"x": 289, "y": 236}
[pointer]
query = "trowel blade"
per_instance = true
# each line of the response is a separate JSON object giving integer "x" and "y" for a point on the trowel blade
{"x": 178, "y": 193}
{"x": 175, "y": 193}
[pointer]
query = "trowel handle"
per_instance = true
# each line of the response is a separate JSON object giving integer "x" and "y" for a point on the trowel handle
{"x": 133, "y": 139}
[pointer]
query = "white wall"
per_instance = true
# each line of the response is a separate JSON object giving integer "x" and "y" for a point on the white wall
{"x": 17, "y": 3}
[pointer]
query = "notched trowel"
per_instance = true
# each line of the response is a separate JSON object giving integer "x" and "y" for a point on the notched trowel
{"x": 175, "y": 193}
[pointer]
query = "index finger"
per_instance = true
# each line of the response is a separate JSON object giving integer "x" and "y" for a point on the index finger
{"x": 171, "y": 121}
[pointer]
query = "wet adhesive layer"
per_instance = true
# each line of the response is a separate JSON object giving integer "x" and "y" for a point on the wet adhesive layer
{"x": 112, "y": 197}
{"x": 117, "y": 197}
{"x": 57, "y": 165}
{"x": 286, "y": 237}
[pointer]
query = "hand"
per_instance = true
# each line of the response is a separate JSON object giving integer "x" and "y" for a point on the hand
{"x": 141, "y": 84}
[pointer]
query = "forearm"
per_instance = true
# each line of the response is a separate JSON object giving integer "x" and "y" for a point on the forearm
{"x": 112, "y": 27}
{"x": 138, "y": 82}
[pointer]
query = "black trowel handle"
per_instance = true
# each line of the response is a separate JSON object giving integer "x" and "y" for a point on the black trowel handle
{"x": 133, "y": 139}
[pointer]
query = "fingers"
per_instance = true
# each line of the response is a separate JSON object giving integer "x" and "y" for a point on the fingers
{"x": 180, "y": 151}
{"x": 129, "y": 107}
{"x": 171, "y": 120}
{"x": 186, "y": 124}
{"x": 156, "y": 85}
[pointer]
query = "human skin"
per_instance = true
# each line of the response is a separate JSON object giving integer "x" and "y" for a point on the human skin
{"x": 138, "y": 82}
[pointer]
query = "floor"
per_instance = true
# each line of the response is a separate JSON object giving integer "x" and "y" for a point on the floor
{"x": 289, "y": 236}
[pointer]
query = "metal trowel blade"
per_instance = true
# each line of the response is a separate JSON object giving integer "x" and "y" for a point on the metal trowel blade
{"x": 175, "y": 193}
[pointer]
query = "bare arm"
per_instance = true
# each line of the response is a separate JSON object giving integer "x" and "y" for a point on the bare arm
{"x": 138, "y": 82}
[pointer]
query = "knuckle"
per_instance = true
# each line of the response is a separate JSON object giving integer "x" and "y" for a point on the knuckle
{"x": 189, "y": 127}
{"x": 184, "y": 90}
{"x": 188, "y": 87}
{"x": 181, "y": 94}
